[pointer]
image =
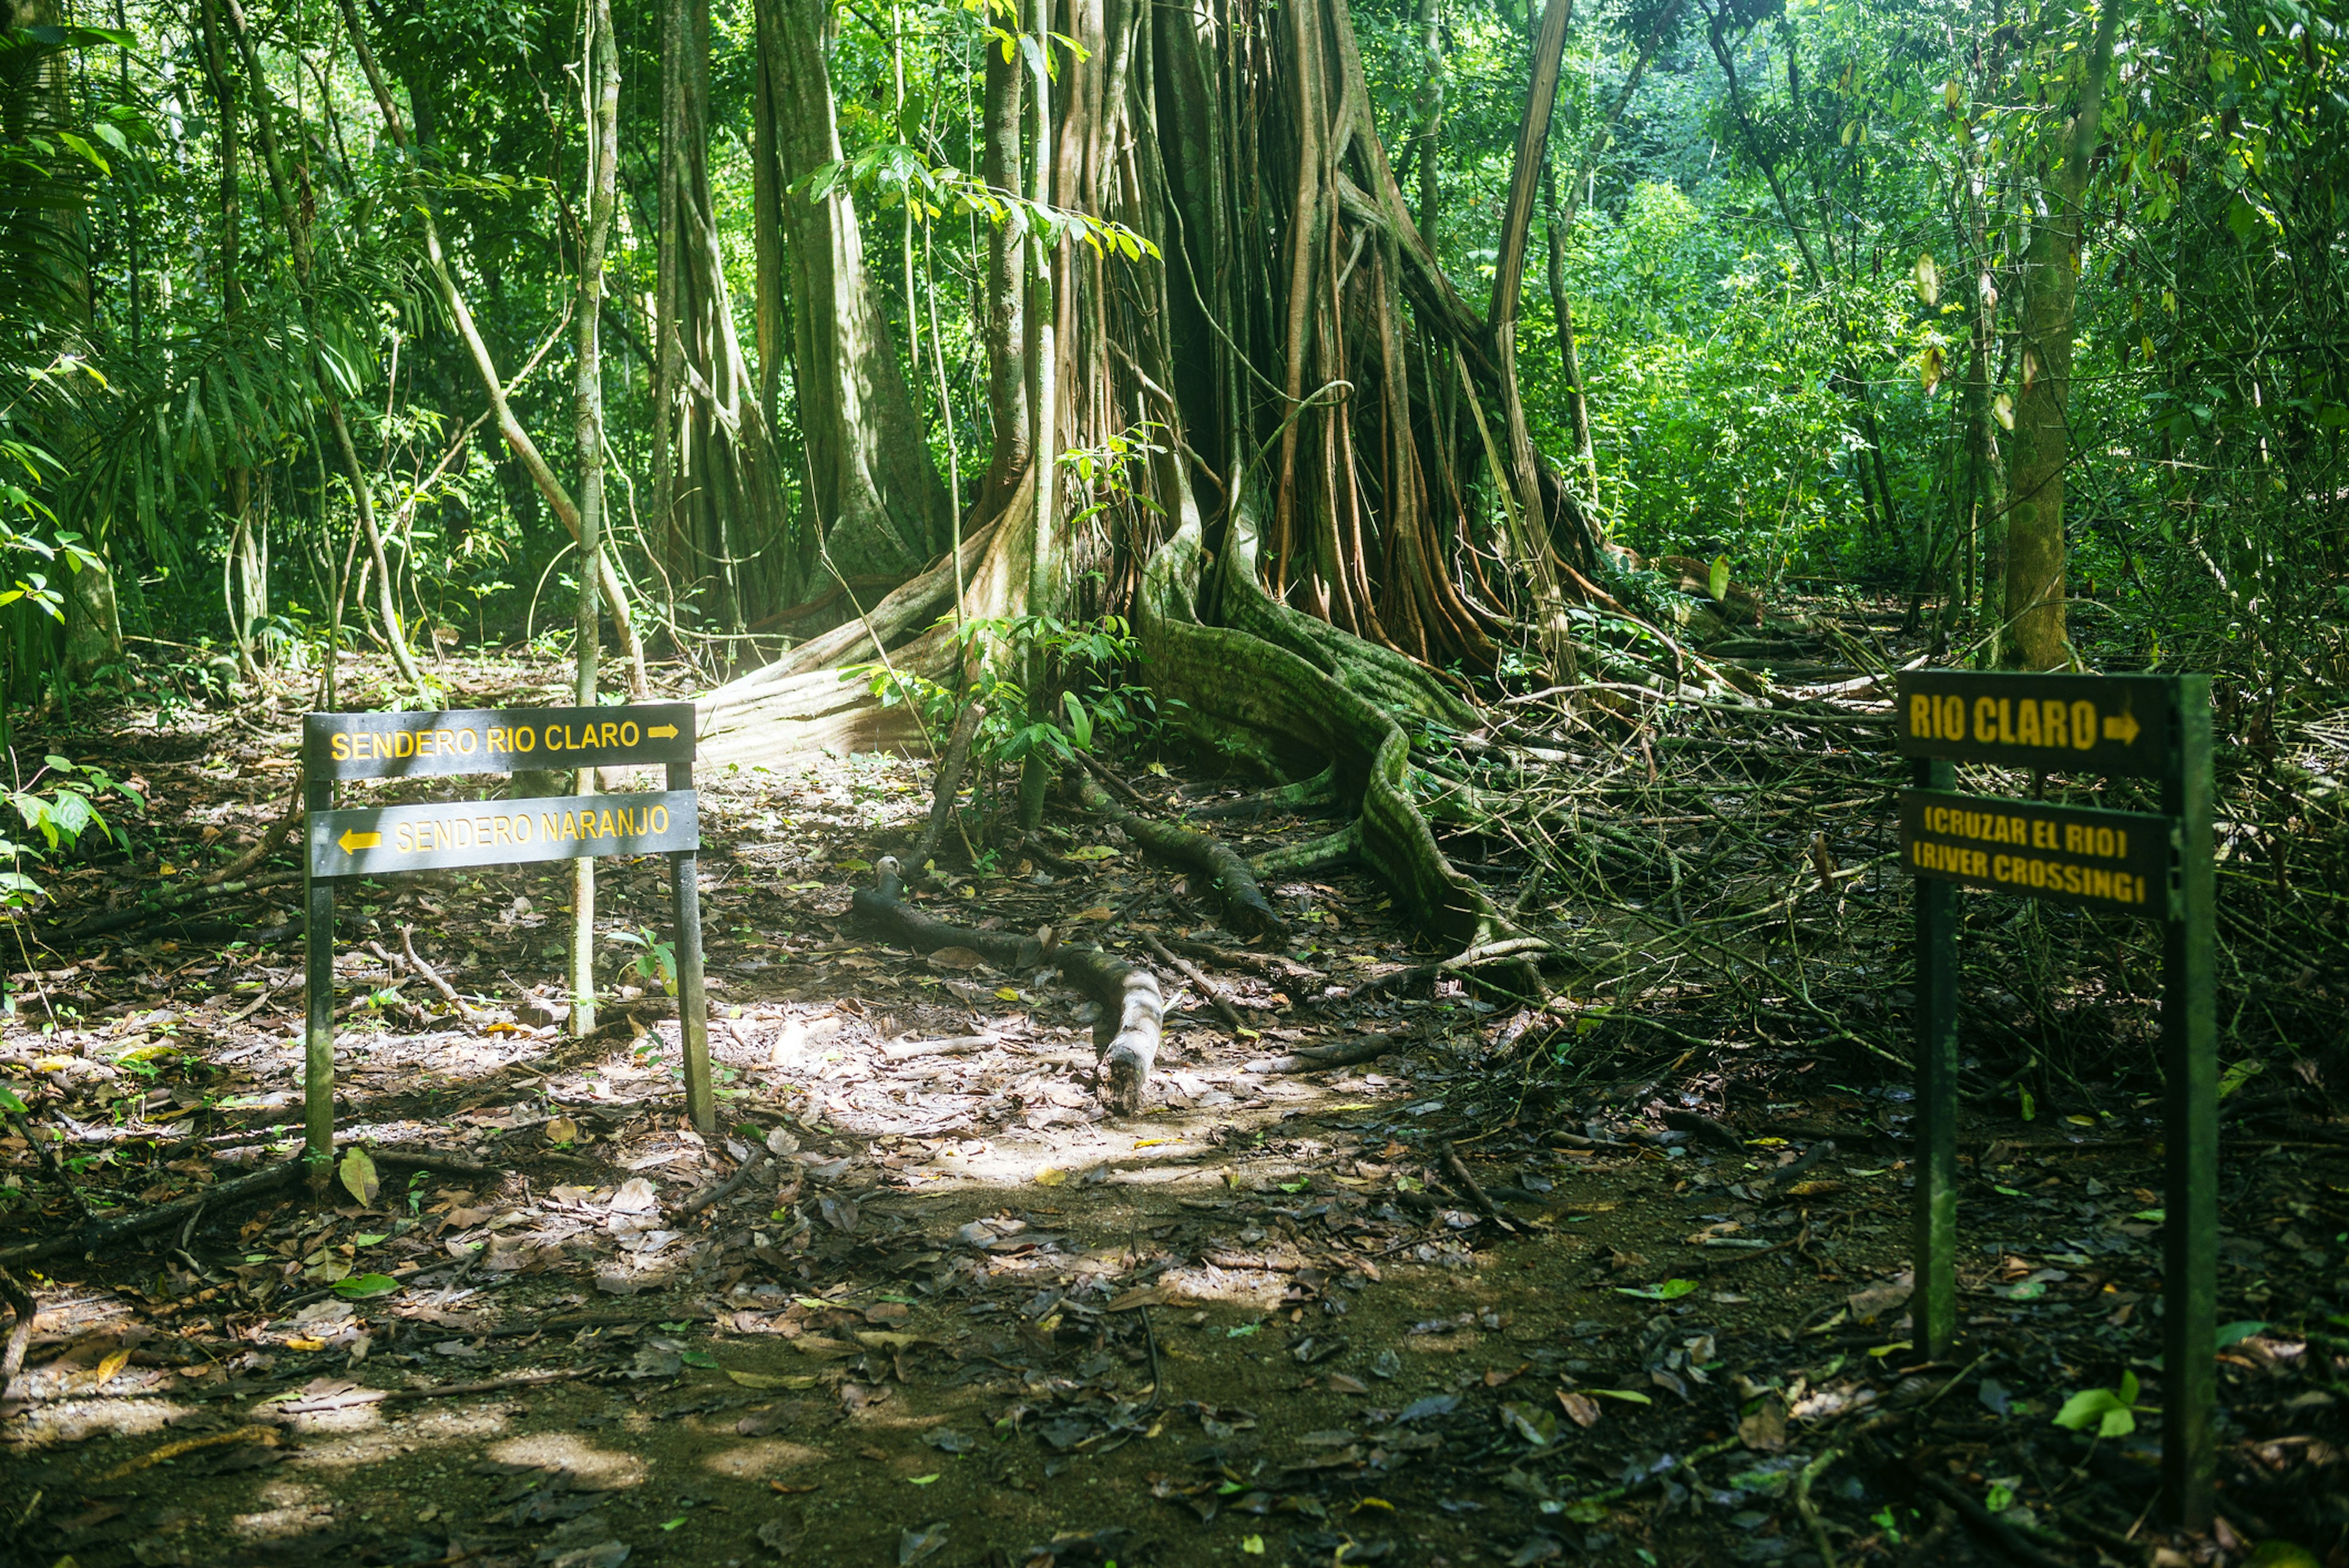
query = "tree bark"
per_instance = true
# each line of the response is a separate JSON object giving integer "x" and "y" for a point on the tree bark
{"x": 1004, "y": 307}
{"x": 509, "y": 428}
{"x": 868, "y": 459}
{"x": 2043, "y": 426}
{"x": 717, "y": 478}
{"x": 600, "y": 106}
{"x": 297, "y": 235}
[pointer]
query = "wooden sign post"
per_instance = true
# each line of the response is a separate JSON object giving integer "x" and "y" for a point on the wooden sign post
{"x": 375, "y": 841}
{"x": 2156, "y": 866}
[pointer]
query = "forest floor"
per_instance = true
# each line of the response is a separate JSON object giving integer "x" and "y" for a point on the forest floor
{"x": 1458, "y": 1303}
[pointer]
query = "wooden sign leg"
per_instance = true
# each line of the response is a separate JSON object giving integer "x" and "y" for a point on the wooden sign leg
{"x": 692, "y": 998}
{"x": 2189, "y": 1064}
{"x": 1933, "y": 1303}
{"x": 318, "y": 988}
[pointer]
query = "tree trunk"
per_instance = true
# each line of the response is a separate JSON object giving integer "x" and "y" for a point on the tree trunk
{"x": 868, "y": 459}
{"x": 517, "y": 439}
{"x": 1431, "y": 118}
{"x": 2043, "y": 428}
{"x": 294, "y": 214}
{"x": 717, "y": 478}
{"x": 600, "y": 106}
{"x": 1003, "y": 309}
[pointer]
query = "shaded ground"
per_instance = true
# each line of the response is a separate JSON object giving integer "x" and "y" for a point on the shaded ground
{"x": 953, "y": 1314}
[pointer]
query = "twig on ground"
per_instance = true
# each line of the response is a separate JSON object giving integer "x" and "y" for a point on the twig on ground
{"x": 1810, "y": 1510}
{"x": 1483, "y": 1200}
{"x": 711, "y": 1196}
{"x": 1211, "y": 992}
{"x": 950, "y": 779}
{"x": 465, "y": 1010}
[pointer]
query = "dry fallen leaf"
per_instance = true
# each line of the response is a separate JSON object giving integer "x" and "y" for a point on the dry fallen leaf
{"x": 1581, "y": 1408}
{"x": 769, "y": 1380}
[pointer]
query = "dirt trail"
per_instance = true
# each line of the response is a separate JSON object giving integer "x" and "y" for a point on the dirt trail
{"x": 1481, "y": 1298}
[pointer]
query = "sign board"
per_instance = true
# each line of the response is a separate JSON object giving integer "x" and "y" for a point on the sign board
{"x": 433, "y": 835}
{"x": 2158, "y": 867}
{"x": 2118, "y": 861}
{"x": 501, "y": 832}
{"x": 2114, "y": 725}
{"x": 494, "y": 740}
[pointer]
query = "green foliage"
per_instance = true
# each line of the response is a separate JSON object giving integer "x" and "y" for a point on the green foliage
{"x": 60, "y": 815}
{"x": 2112, "y": 1411}
{"x": 1082, "y": 702}
{"x": 655, "y": 960}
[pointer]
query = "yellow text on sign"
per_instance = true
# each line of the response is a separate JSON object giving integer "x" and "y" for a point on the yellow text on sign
{"x": 2005, "y": 828}
{"x": 489, "y": 830}
{"x": 491, "y": 740}
{"x": 2019, "y": 721}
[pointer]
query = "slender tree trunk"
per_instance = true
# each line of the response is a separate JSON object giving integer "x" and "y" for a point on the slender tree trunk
{"x": 718, "y": 476}
{"x": 600, "y": 101}
{"x": 1577, "y": 405}
{"x": 1431, "y": 117}
{"x": 509, "y": 428}
{"x": 292, "y": 212}
{"x": 1524, "y": 473}
{"x": 2042, "y": 426}
{"x": 1004, "y": 311}
{"x": 231, "y": 286}
{"x": 870, "y": 475}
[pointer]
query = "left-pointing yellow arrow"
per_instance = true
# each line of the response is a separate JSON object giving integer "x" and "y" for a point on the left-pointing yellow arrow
{"x": 353, "y": 840}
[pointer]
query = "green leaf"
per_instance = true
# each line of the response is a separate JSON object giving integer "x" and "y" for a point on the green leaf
{"x": 358, "y": 1175}
{"x": 2236, "y": 1332}
{"x": 358, "y": 1287}
{"x": 9, "y": 1102}
{"x": 696, "y": 1359}
{"x": 1669, "y": 1290}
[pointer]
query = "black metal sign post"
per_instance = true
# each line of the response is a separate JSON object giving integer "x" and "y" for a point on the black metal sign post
{"x": 2154, "y": 866}
{"x": 379, "y": 841}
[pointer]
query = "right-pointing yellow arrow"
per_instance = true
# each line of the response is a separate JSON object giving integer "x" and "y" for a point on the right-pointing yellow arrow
{"x": 354, "y": 839}
{"x": 661, "y": 731}
{"x": 2121, "y": 726}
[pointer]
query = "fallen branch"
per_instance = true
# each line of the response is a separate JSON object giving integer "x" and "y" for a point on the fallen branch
{"x": 1810, "y": 1510}
{"x": 352, "y": 1398}
{"x": 1207, "y": 988}
{"x": 266, "y": 845}
{"x": 465, "y": 1011}
{"x": 1132, "y": 1012}
{"x": 711, "y": 1196}
{"x": 1312, "y": 855}
{"x": 103, "y": 1233}
{"x": 1985, "y": 1524}
{"x": 1245, "y": 909}
{"x": 1273, "y": 966}
{"x": 959, "y": 1046}
{"x": 1482, "y": 1199}
{"x": 120, "y": 919}
{"x": 20, "y": 1332}
{"x": 1321, "y": 1058}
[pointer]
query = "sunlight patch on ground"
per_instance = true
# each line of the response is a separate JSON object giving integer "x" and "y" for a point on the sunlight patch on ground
{"x": 760, "y": 1458}
{"x": 606, "y": 1468}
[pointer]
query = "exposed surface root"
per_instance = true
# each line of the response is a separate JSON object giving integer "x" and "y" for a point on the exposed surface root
{"x": 1132, "y": 1009}
{"x": 1245, "y": 909}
